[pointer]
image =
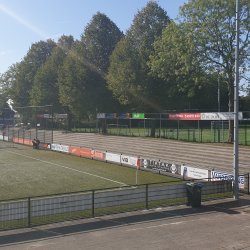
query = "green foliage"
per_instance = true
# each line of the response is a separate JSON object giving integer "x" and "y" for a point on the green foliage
{"x": 24, "y": 79}
{"x": 128, "y": 76}
{"x": 6, "y": 83}
{"x": 99, "y": 40}
{"x": 81, "y": 80}
{"x": 45, "y": 90}
{"x": 203, "y": 43}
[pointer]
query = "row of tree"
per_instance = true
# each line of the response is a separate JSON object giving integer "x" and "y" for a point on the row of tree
{"x": 157, "y": 65}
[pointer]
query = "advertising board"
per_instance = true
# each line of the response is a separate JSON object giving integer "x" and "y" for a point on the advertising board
{"x": 80, "y": 151}
{"x": 28, "y": 142}
{"x": 86, "y": 152}
{"x": 113, "y": 157}
{"x": 218, "y": 176}
{"x": 185, "y": 116}
{"x": 196, "y": 173}
{"x": 220, "y": 116}
{"x": 61, "y": 148}
{"x": 129, "y": 160}
{"x": 161, "y": 166}
{"x": 100, "y": 115}
{"x": 111, "y": 115}
{"x": 122, "y": 115}
{"x": 61, "y": 116}
{"x": 138, "y": 115}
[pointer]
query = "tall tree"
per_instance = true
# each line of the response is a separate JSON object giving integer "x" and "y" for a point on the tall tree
{"x": 82, "y": 85}
{"x": 6, "y": 83}
{"x": 45, "y": 90}
{"x": 35, "y": 58}
{"x": 206, "y": 41}
{"x": 128, "y": 76}
{"x": 99, "y": 40}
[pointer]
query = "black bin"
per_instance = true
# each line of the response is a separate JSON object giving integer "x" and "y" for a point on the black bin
{"x": 194, "y": 194}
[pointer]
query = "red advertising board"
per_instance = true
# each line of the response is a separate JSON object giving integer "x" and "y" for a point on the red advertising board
{"x": 185, "y": 116}
{"x": 87, "y": 152}
{"x": 22, "y": 141}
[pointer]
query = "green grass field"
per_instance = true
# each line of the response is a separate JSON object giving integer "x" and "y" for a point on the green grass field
{"x": 26, "y": 172}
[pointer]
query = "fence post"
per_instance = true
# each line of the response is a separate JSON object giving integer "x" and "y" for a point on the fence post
{"x": 246, "y": 133}
{"x": 146, "y": 196}
{"x": 93, "y": 203}
{"x": 248, "y": 184}
{"x": 29, "y": 212}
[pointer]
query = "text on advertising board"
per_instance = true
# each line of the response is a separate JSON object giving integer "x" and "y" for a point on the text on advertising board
{"x": 185, "y": 116}
{"x": 218, "y": 176}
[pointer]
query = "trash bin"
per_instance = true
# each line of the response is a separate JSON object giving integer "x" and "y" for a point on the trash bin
{"x": 194, "y": 194}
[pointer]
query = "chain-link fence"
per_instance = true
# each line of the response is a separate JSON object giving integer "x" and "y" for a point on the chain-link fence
{"x": 160, "y": 126}
{"x": 29, "y": 123}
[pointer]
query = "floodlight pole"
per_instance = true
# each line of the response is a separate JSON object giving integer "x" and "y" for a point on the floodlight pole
{"x": 236, "y": 107}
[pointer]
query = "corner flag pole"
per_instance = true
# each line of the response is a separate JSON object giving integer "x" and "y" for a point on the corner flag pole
{"x": 236, "y": 107}
{"x": 138, "y": 166}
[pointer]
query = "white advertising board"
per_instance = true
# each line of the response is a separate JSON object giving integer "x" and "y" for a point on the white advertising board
{"x": 196, "y": 173}
{"x": 129, "y": 160}
{"x": 220, "y": 116}
{"x": 59, "y": 147}
{"x": 218, "y": 176}
{"x": 100, "y": 115}
{"x": 112, "y": 157}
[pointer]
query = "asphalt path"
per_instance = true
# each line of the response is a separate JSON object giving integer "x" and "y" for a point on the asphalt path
{"x": 191, "y": 154}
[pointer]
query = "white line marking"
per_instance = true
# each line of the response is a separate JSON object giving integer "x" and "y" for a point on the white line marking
{"x": 69, "y": 168}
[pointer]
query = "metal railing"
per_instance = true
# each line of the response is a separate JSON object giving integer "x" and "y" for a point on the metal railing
{"x": 30, "y": 211}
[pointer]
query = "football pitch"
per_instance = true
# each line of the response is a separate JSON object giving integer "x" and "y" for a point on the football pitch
{"x": 26, "y": 172}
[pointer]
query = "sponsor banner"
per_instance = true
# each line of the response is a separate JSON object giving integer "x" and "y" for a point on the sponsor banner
{"x": 15, "y": 140}
{"x": 185, "y": 116}
{"x": 59, "y": 147}
{"x": 100, "y": 115}
{"x": 218, "y": 176}
{"x": 45, "y": 145}
{"x": 161, "y": 166}
{"x": 138, "y": 115}
{"x": 80, "y": 151}
{"x": 18, "y": 140}
{"x": 40, "y": 115}
{"x": 123, "y": 115}
{"x": 21, "y": 141}
{"x": 220, "y": 116}
{"x": 4, "y": 138}
{"x": 61, "y": 116}
{"x": 97, "y": 154}
{"x": 129, "y": 160}
{"x": 86, "y": 152}
{"x": 28, "y": 142}
{"x": 113, "y": 157}
{"x": 17, "y": 115}
{"x": 196, "y": 173}
{"x": 111, "y": 115}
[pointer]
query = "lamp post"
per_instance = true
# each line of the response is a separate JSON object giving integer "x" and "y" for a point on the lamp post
{"x": 236, "y": 107}
{"x": 218, "y": 96}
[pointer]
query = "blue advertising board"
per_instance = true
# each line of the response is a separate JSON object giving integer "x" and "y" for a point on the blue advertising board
{"x": 218, "y": 176}
{"x": 111, "y": 115}
{"x": 123, "y": 115}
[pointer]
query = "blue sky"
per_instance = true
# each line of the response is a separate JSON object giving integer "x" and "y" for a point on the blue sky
{"x": 24, "y": 22}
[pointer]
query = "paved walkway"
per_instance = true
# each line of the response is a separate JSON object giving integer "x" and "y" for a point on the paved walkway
{"x": 221, "y": 224}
